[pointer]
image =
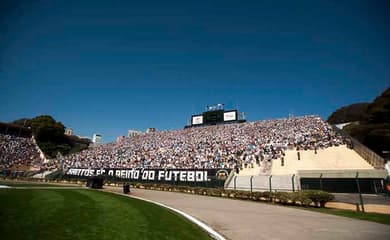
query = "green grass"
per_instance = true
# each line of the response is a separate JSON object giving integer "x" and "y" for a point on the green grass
{"x": 29, "y": 184}
{"x": 373, "y": 217}
{"x": 87, "y": 214}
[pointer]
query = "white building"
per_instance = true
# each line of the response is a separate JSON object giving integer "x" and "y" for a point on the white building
{"x": 132, "y": 133}
{"x": 97, "y": 138}
{"x": 69, "y": 131}
{"x": 150, "y": 130}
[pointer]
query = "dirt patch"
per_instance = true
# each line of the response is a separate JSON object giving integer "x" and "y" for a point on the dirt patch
{"x": 374, "y": 208}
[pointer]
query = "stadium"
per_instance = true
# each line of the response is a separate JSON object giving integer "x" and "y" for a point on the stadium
{"x": 218, "y": 154}
{"x": 176, "y": 120}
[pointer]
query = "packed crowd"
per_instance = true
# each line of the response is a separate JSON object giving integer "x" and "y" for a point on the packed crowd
{"x": 17, "y": 152}
{"x": 220, "y": 146}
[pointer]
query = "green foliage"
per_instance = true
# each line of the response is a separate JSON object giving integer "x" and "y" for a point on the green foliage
{"x": 374, "y": 127}
{"x": 379, "y": 110}
{"x": 350, "y": 113}
{"x": 22, "y": 122}
{"x": 50, "y": 136}
{"x": 244, "y": 195}
{"x": 267, "y": 195}
{"x": 283, "y": 197}
{"x": 358, "y": 131}
{"x": 374, "y": 136}
{"x": 303, "y": 198}
{"x": 256, "y": 196}
{"x": 378, "y": 139}
{"x": 44, "y": 127}
{"x": 319, "y": 198}
{"x": 16, "y": 130}
{"x": 74, "y": 144}
{"x": 295, "y": 197}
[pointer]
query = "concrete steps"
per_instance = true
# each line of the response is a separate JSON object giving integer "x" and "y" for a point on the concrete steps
{"x": 332, "y": 158}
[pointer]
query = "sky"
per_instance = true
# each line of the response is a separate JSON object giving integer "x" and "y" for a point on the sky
{"x": 109, "y": 66}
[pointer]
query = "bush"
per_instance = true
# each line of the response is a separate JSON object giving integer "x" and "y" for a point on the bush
{"x": 301, "y": 198}
{"x": 215, "y": 192}
{"x": 268, "y": 195}
{"x": 295, "y": 197}
{"x": 243, "y": 195}
{"x": 256, "y": 196}
{"x": 304, "y": 198}
{"x": 283, "y": 197}
{"x": 320, "y": 198}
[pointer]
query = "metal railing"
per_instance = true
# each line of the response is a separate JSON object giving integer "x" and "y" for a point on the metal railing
{"x": 262, "y": 183}
{"x": 367, "y": 154}
{"x": 371, "y": 157}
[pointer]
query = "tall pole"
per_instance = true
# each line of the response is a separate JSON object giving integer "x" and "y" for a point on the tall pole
{"x": 251, "y": 183}
{"x": 360, "y": 193}
{"x": 292, "y": 182}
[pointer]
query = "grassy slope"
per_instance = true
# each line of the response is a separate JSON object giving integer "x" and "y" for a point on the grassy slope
{"x": 373, "y": 217}
{"x": 86, "y": 214}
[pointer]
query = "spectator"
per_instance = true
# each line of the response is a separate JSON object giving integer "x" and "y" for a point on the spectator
{"x": 220, "y": 146}
{"x": 17, "y": 152}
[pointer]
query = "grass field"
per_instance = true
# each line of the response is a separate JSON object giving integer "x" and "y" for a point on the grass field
{"x": 31, "y": 184}
{"x": 87, "y": 214}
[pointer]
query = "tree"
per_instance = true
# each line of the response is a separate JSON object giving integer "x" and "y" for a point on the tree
{"x": 44, "y": 128}
{"x": 379, "y": 110}
{"x": 350, "y": 113}
{"x": 50, "y": 135}
{"x": 374, "y": 127}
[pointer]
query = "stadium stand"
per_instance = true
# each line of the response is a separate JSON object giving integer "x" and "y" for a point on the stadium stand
{"x": 332, "y": 158}
{"x": 267, "y": 155}
{"x": 18, "y": 152}
{"x": 250, "y": 146}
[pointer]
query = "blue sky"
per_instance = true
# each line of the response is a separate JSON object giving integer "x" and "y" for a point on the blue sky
{"x": 110, "y": 66}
